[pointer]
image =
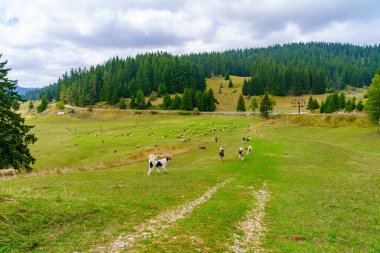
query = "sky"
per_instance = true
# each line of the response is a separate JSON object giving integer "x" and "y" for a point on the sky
{"x": 41, "y": 39}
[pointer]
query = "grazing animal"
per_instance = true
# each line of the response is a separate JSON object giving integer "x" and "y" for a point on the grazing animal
{"x": 221, "y": 153}
{"x": 249, "y": 150}
{"x": 202, "y": 147}
{"x": 154, "y": 163}
{"x": 245, "y": 139}
{"x": 8, "y": 172}
{"x": 241, "y": 153}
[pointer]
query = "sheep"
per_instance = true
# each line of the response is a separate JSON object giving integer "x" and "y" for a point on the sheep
{"x": 221, "y": 153}
{"x": 8, "y": 172}
{"x": 249, "y": 150}
{"x": 241, "y": 154}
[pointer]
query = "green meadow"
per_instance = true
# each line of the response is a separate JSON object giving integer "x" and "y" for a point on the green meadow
{"x": 322, "y": 186}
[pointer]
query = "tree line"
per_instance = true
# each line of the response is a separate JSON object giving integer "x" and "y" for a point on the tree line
{"x": 123, "y": 78}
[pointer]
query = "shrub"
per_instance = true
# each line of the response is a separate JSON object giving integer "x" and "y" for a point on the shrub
{"x": 154, "y": 112}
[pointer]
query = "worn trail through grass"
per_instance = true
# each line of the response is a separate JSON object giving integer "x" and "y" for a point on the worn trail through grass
{"x": 156, "y": 226}
{"x": 253, "y": 225}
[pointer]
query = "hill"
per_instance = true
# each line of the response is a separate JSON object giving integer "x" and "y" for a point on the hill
{"x": 290, "y": 69}
{"x": 22, "y": 91}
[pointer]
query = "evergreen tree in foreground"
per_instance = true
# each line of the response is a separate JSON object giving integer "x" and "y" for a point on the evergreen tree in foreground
{"x": 373, "y": 102}
{"x": 266, "y": 106}
{"x": 241, "y": 104}
{"x": 14, "y": 134}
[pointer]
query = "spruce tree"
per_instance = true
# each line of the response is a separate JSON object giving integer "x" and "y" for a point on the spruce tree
{"x": 204, "y": 102}
{"x": 31, "y": 105}
{"x": 140, "y": 100}
{"x": 322, "y": 109}
{"x": 166, "y": 103}
{"x": 186, "y": 101}
{"x": 373, "y": 102}
{"x": 266, "y": 106}
{"x": 198, "y": 99}
{"x": 241, "y": 104}
{"x": 43, "y": 105}
{"x": 254, "y": 104}
{"x": 310, "y": 103}
{"x": 226, "y": 76}
{"x": 211, "y": 101}
{"x": 230, "y": 84}
{"x": 14, "y": 134}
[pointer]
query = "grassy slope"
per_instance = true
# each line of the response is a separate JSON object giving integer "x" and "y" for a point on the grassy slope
{"x": 323, "y": 184}
{"x": 228, "y": 99}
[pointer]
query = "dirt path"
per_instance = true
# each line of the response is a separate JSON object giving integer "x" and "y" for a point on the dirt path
{"x": 156, "y": 226}
{"x": 253, "y": 226}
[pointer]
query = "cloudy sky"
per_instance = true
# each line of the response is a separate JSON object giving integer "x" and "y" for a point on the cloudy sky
{"x": 41, "y": 39}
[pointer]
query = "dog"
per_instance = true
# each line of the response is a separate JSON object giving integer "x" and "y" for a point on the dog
{"x": 249, "y": 150}
{"x": 157, "y": 163}
{"x": 221, "y": 153}
{"x": 241, "y": 153}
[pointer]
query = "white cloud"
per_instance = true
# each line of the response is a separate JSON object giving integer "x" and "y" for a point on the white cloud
{"x": 43, "y": 39}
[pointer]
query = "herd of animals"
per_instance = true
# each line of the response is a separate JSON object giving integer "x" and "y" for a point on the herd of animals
{"x": 157, "y": 161}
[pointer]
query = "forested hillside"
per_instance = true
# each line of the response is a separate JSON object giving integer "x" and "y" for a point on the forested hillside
{"x": 296, "y": 68}
{"x": 119, "y": 78}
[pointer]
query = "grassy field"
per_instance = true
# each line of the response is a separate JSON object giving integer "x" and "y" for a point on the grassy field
{"x": 304, "y": 188}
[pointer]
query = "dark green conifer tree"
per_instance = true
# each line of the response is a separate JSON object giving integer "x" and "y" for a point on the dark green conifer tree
{"x": 14, "y": 134}
{"x": 241, "y": 104}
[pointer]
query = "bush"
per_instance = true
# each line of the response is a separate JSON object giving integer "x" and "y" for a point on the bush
{"x": 154, "y": 112}
{"x": 138, "y": 112}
